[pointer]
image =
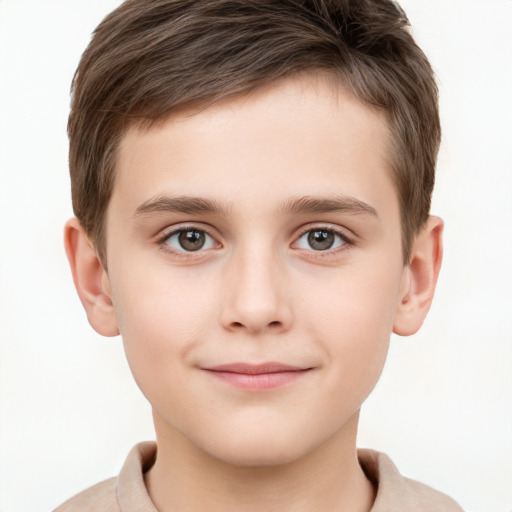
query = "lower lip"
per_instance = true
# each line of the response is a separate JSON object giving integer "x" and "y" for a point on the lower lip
{"x": 260, "y": 381}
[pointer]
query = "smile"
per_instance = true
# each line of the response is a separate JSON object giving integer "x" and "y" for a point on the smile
{"x": 257, "y": 377}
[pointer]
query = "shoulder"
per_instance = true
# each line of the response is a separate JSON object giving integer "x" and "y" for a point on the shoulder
{"x": 398, "y": 493}
{"x": 126, "y": 492}
{"x": 98, "y": 498}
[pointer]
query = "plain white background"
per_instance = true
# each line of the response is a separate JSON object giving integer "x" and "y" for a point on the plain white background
{"x": 69, "y": 411}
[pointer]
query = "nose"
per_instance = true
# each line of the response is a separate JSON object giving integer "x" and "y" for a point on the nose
{"x": 256, "y": 294}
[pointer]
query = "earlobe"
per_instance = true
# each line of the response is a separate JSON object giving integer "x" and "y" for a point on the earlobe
{"x": 90, "y": 278}
{"x": 420, "y": 278}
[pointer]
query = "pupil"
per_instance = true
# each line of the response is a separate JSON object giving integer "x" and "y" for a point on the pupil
{"x": 321, "y": 240}
{"x": 191, "y": 240}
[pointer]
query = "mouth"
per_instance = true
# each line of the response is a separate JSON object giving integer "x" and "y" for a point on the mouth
{"x": 257, "y": 377}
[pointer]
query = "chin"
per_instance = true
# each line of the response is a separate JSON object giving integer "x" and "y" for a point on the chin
{"x": 259, "y": 448}
{"x": 258, "y": 455}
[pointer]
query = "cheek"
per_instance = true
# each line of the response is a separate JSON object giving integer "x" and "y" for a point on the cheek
{"x": 160, "y": 319}
{"x": 356, "y": 299}
{"x": 352, "y": 316}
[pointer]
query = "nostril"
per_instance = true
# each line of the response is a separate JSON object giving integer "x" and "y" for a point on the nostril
{"x": 273, "y": 324}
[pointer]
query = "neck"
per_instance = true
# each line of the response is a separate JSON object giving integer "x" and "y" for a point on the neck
{"x": 329, "y": 478}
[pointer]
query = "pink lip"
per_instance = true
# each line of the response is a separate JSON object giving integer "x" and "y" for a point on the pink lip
{"x": 257, "y": 377}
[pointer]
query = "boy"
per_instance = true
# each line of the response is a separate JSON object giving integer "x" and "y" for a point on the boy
{"x": 251, "y": 182}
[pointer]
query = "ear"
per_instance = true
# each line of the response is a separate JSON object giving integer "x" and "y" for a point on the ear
{"x": 90, "y": 278}
{"x": 420, "y": 278}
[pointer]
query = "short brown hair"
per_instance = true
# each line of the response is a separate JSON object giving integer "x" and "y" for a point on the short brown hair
{"x": 149, "y": 58}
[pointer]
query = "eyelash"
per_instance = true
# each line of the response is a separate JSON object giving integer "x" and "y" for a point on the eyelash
{"x": 162, "y": 241}
{"x": 346, "y": 242}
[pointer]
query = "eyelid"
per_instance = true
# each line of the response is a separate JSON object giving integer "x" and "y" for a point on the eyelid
{"x": 349, "y": 240}
{"x": 175, "y": 229}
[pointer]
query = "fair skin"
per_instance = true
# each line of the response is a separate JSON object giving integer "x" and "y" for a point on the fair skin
{"x": 255, "y": 273}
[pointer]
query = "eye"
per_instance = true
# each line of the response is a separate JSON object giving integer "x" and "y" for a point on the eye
{"x": 321, "y": 240}
{"x": 189, "y": 240}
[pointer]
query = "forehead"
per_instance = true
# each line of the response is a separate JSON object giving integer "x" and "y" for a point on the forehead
{"x": 294, "y": 137}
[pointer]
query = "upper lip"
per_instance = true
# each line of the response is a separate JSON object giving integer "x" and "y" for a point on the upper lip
{"x": 255, "y": 369}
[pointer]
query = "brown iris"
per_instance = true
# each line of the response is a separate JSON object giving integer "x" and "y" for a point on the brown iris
{"x": 192, "y": 240}
{"x": 321, "y": 240}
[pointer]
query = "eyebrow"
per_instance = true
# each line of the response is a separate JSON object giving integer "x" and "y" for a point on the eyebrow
{"x": 301, "y": 205}
{"x": 181, "y": 204}
{"x": 339, "y": 204}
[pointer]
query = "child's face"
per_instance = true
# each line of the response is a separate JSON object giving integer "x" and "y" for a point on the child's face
{"x": 261, "y": 231}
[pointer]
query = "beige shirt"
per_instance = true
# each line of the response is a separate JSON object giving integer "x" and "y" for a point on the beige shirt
{"x": 127, "y": 492}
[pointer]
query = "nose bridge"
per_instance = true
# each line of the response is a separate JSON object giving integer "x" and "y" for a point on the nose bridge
{"x": 256, "y": 297}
